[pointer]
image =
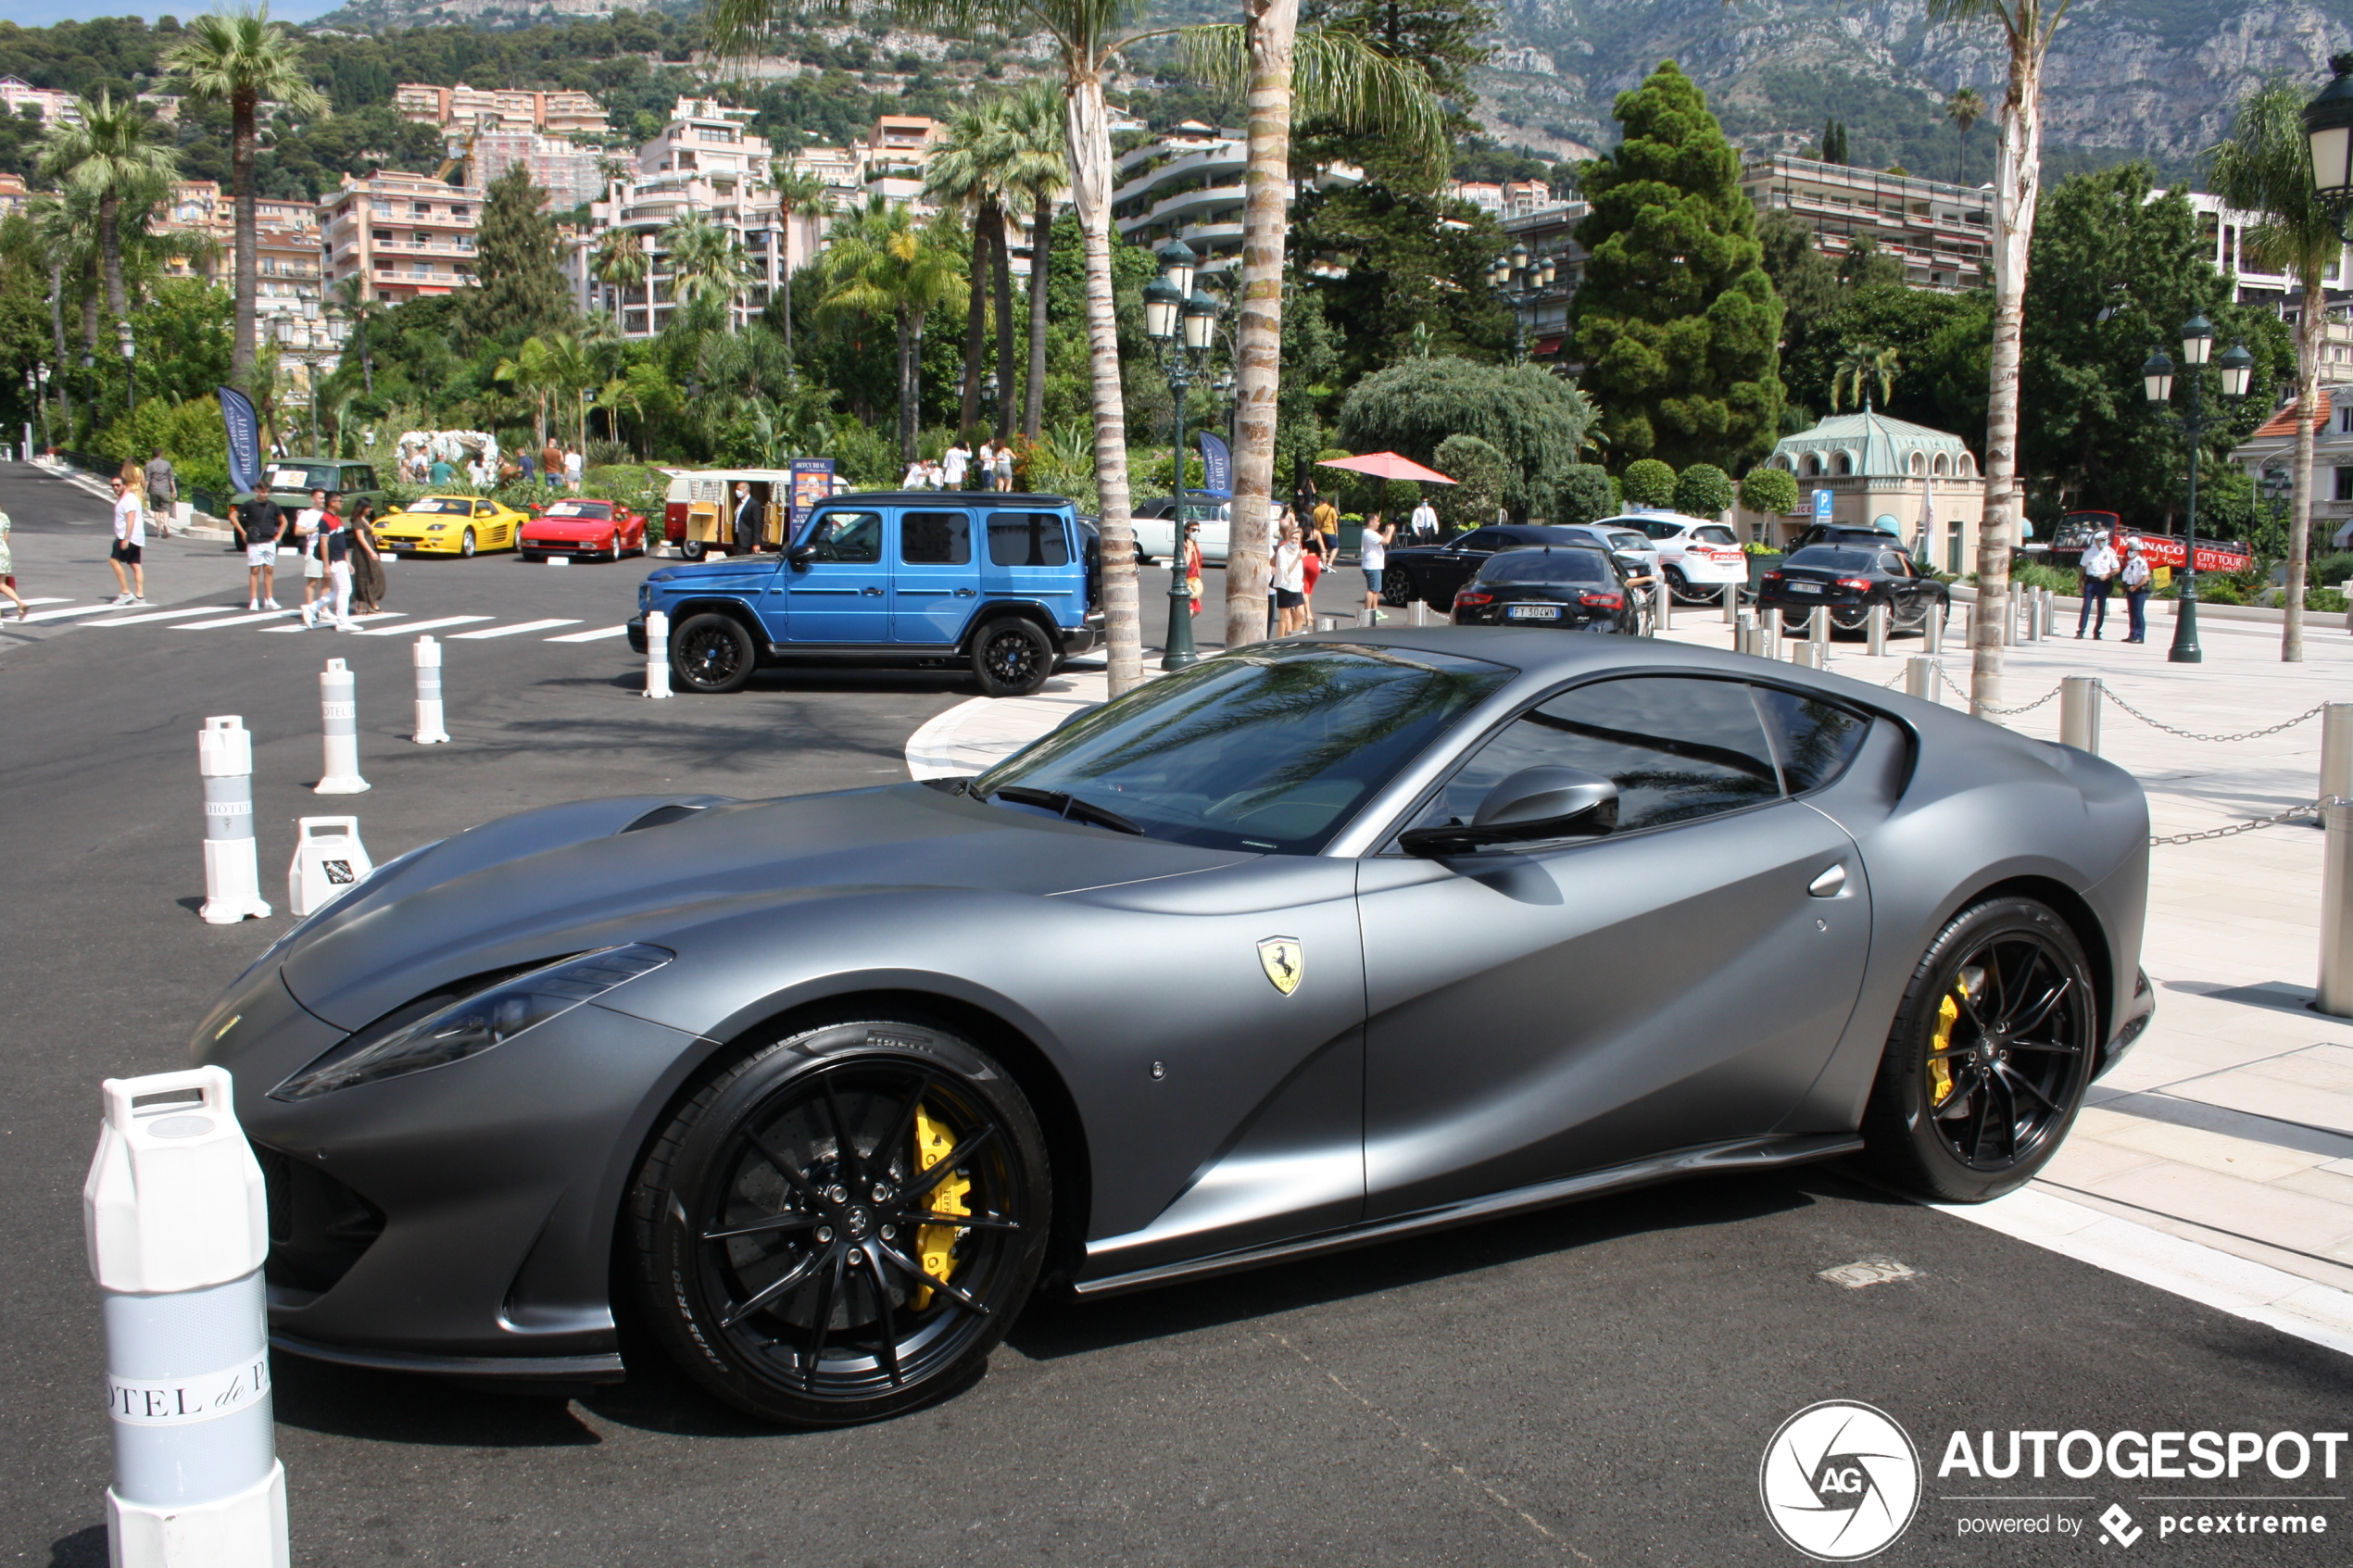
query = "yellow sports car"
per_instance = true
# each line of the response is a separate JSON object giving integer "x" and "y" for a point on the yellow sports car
{"x": 451, "y": 525}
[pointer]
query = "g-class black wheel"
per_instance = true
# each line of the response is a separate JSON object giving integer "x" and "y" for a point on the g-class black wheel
{"x": 842, "y": 1225}
{"x": 1012, "y": 658}
{"x": 1397, "y": 587}
{"x": 712, "y": 653}
{"x": 1992, "y": 1051}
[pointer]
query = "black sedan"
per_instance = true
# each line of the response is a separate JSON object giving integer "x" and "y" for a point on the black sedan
{"x": 817, "y": 1091}
{"x": 1432, "y": 572}
{"x": 1568, "y": 589}
{"x": 1850, "y": 580}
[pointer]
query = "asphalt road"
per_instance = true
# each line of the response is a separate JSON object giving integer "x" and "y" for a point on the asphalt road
{"x": 1596, "y": 1384}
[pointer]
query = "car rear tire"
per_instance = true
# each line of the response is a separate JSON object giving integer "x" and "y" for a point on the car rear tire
{"x": 784, "y": 1228}
{"x": 712, "y": 653}
{"x": 1992, "y": 1051}
{"x": 691, "y": 549}
{"x": 1687, "y": 594}
{"x": 1397, "y": 587}
{"x": 1012, "y": 658}
{"x": 466, "y": 544}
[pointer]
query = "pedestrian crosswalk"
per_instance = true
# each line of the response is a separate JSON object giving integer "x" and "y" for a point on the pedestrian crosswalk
{"x": 59, "y": 614}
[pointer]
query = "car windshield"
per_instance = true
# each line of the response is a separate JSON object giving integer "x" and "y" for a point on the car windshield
{"x": 1829, "y": 557}
{"x": 1271, "y": 750}
{"x": 1546, "y": 566}
{"x": 579, "y": 509}
{"x": 442, "y": 504}
{"x": 305, "y": 476}
{"x": 1627, "y": 539}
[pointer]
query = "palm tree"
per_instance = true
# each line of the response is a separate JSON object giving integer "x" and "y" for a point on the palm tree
{"x": 887, "y": 265}
{"x": 240, "y": 57}
{"x": 63, "y": 230}
{"x": 619, "y": 261}
{"x": 966, "y": 173}
{"x": 1341, "y": 75}
{"x": 113, "y": 153}
{"x": 547, "y": 368}
{"x": 1038, "y": 168}
{"x": 706, "y": 262}
{"x": 2026, "y": 27}
{"x": 1859, "y": 366}
{"x": 352, "y": 300}
{"x": 1964, "y": 109}
{"x": 798, "y": 194}
{"x": 2266, "y": 167}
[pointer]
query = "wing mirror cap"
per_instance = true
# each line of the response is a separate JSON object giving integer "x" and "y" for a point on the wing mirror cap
{"x": 1535, "y": 803}
{"x": 801, "y": 555}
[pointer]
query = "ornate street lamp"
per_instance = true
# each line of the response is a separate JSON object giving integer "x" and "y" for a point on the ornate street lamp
{"x": 1519, "y": 280}
{"x": 2328, "y": 126}
{"x": 1182, "y": 323}
{"x": 129, "y": 375}
{"x": 2157, "y": 379}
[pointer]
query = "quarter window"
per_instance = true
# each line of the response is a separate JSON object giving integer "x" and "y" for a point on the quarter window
{"x": 1027, "y": 539}
{"x": 935, "y": 539}
{"x": 1678, "y": 750}
{"x": 851, "y": 537}
{"x": 1815, "y": 739}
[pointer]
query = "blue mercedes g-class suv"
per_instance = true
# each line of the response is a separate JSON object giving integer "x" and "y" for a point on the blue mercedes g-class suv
{"x": 1010, "y": 584}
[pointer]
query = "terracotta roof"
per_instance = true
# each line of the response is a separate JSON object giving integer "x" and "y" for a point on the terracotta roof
{"x": 2283, "y": 422}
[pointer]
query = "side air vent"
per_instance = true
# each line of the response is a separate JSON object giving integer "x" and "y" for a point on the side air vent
{"x": 662, "y": 816}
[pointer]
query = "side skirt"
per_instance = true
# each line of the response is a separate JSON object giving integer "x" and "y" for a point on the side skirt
{"x": 509, "y": 1372}
{"x": 1742, "y": 1154}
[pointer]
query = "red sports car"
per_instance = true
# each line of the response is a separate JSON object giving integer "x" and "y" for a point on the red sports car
{"x": 581, "y": 527}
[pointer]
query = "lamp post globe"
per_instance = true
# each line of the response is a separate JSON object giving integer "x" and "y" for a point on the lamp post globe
{"x": 1181, "y": 321}
{"x": 1161, "y": 304}
{"x": 2198, "y": 341}
{"x": 1177, "y": 264}
{"x": 2157, "y": 377}
{"x": 2328, "y": 128}
{"x": 2238, "y": 369}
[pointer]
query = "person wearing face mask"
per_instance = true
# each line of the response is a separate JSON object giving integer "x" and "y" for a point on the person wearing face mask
{"x": 746, "y": 520}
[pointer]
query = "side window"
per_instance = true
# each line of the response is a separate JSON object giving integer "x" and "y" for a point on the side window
{"x": 1027, "y": 539}
{"x": 935, "y": 539}
{"x": 484, "y": 508}
{"x": 854, "y": 538}
{"x": 1483, "y": 539}
{"x": 1662, "y": 529}
{"x": 1815, "y": 739}
{"x": 1678, "y": 750}
{"x": 1893, "y": 564}
{"x": 359, "y": 479}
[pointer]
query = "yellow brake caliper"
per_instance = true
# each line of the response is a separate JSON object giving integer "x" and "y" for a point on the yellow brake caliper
{"x": 935, "y": 1244}
{"x": 1940, "y": 1069}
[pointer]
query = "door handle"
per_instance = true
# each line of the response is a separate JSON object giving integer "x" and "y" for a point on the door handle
{"x": 963, "y": 593}
{"x": 872, "y": 593}
{"x": 1829, "y": 883}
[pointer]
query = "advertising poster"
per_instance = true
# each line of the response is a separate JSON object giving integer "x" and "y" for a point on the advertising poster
{"x": 812, "y": 480}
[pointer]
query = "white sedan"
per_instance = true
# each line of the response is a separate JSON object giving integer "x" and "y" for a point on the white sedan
{"x": 1698, "y": 555}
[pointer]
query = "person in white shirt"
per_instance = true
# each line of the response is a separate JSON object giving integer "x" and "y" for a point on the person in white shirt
{"x": 314, "y": 566}
{"x": 1290, "y": 583}
{"x": 1005, "y": 465}
{"x": 1424, "y": 522}
{"x": 574, "y": 466}
{"x": 129, "y": 544}
{"x": 913, "y": 478}
{"x": 2100, "y": 567}
{"x": 955, "y": 465}
{"x": 2134, "y": 578}
{"x": 1372, "y": 554}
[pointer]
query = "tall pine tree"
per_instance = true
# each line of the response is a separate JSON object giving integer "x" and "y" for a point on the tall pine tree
{"x": 1676, "y": 319}
{"x": 521, "y": 290}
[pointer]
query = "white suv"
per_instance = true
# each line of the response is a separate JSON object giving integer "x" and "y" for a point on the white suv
{"x": 1698, "y": 555}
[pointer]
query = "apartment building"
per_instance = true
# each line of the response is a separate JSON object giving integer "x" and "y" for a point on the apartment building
{"x": 1188, "y": 185}
{"x": 903, "y": 140}
{"x": 289, "y": 291}
{"x": 14, "y": 195}
{"x": 556, "y": 113}
{"x": 55, "y": 106}
{"x": 1942, "y": 233}
{"x": 408, "y": 236}
{"x": 1548, "y": 234}
{"x": 569, "y": 173}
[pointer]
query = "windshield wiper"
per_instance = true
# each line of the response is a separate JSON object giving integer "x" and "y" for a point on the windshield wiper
{"x": 1068, "y": 806}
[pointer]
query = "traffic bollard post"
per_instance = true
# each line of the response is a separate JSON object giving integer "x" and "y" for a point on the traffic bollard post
{"x": 1933, "y": 633}
{"x": 2049, "y": 601}
{"x": 2334, "y": 996}
{"x": 1420, "y": 613}
{"x": 2079, "y": 712}
{"x": 177, "y": 1229}
{"x": 429, "y": 719}
{"x": 329, "y": 862}
{"x": 1731, "y": 604}
{"x": 1876, "y": 634}
{"x": 1662, "y": 606}
{"x": 339, "y": 719}
{"x": 1919, "y": 678}
{"x": 657, "y": 654}
{"x": 2337, "y": 750}
{"x": 1744, "y": 634}
{"x": 231, "y": 864}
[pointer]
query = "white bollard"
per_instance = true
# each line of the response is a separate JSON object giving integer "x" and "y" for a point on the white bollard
{"x": 177, "y": 1229}
{"x": 1876, "y": 621}
{"x": 428, "y": 717}
{"x": 1919, "y": 678}
{"x": 2337, "y": 750}
{"x": 329, "y": 862}
{"x": 1932, "y": 634}
{"x": 1731, "y": 604}
{"x": 2079, "y": 712}
{"x": 1744, "y": 634}
{"x": 339, "y": 717}
{"x": 1420, "y": 614}
{"x": 2334, "y": 995}
{"x": 1663, "y": 607}
{"x": 232, "y": 868}
{"x": 657, "y": 654}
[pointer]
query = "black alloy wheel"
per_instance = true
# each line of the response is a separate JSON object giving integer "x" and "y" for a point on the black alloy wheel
{"x": 712, "y": 653}
{"x": 1397, "y": 587}
{"x": 1992, "y": 1051}
{"x": 466, "y": 544}
{"x": 840, "y": 1226}
{"x": 1012, "y": 658}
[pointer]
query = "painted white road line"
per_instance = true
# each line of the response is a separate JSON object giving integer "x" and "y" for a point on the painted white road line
{"x": 158, "y": 615}
{"x": 600, "y": 634}
{"x": 39, "y": 616}
{"x": 426, "y": 625}
{"x": 248, "y": 619}
{"x": 329, "y": 625}
{"x": 49, "y": 601}
{"x": 510, "y": 630}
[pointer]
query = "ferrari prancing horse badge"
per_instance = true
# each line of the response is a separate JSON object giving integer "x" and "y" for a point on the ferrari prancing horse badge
{"x": 1285, "y": 960}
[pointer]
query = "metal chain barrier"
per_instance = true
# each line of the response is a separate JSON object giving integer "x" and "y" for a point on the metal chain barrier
{"x": 2289, "y": 815}
{"x": 1998, "y": 712}
{"x": 2188, "y": 734}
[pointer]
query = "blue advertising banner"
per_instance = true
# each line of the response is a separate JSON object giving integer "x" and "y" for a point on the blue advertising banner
{"x": 1218, "y": 466}
{"x": 244, "y": 440}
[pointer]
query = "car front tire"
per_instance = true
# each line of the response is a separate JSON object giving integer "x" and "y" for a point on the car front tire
{"x": 713, "y": 654}
{"x": 840, "y": 1226}
{"x": 1992, "y": 1051}
{"x": 466, "y": 544}
{"x": 1012, "y": 658}
{"x": 1397, "y": 587}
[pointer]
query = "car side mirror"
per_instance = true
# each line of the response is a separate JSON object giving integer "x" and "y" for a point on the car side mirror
{"x": 802, "y": 556}
{"x": 1534, "y": 803}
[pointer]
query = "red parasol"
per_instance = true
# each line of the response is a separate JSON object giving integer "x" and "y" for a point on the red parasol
{"x": 1387, "y": 465}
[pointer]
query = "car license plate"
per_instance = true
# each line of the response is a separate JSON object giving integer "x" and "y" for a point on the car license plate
{"x": 1802, "y": 587}
{"x": 1532, "y": 612}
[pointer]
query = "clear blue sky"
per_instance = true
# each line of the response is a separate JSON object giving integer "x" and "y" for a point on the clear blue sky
{"x": 40, "y": 13}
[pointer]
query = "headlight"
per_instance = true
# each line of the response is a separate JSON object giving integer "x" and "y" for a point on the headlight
{"x": 436, "y": 527}
{"x": 436, "y": 1029}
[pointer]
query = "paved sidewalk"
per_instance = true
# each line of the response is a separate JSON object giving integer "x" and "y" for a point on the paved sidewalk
{"x": 2217, "y": 1161}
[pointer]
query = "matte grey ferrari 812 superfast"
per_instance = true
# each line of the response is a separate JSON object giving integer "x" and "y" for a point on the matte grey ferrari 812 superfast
{"x": 1318, "y": 943}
